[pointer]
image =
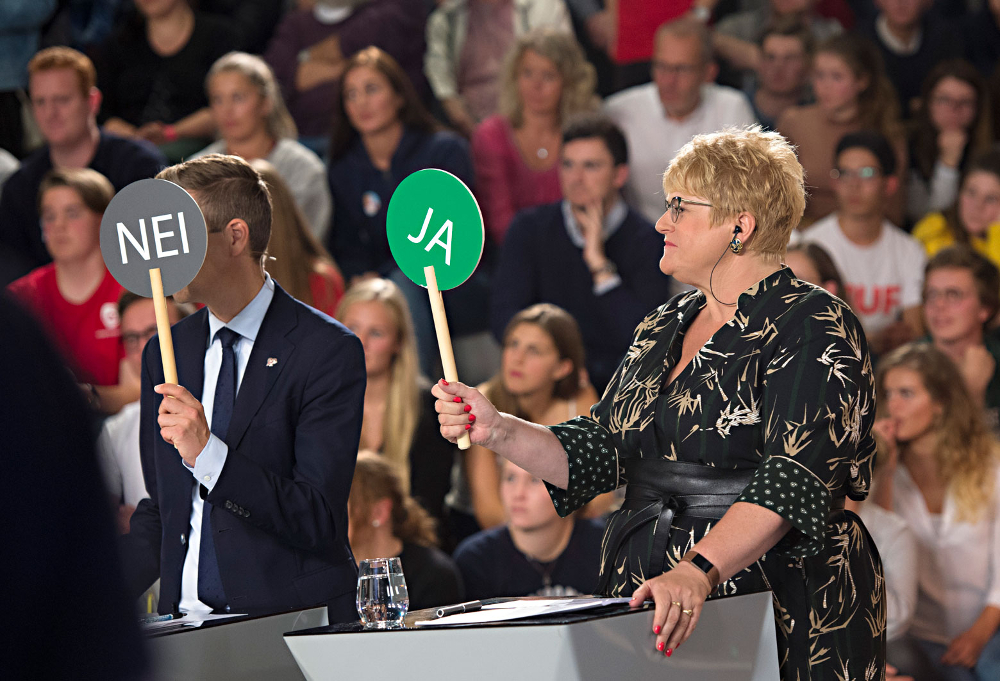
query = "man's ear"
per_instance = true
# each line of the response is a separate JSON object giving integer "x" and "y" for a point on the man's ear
{"x": 891, "y": 185}
{"x": 711, "y": 71}
{"x": 238, "y": 236}
{"x": 94, "y": 99}
{"x": 621, "y": 176}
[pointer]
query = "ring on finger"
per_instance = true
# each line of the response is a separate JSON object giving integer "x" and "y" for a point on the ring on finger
{"x": 689, "y": 613}
{"x": 677, "y": 603}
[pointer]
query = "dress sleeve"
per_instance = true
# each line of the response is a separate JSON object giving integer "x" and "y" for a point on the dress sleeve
{"x": 817, "y": 410}
{"x": 593, "y": 463}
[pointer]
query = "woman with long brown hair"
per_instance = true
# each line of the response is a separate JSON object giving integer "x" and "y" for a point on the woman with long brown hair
{"x": 939, "y": 471}
{"x": 399, "y": 420}
{"x": 542, "y": 379}
{"x": 298, "y": 261}
{"x": 953, "y": 125}
{"x": 852, "y": 94}
{"x": 384, "y": 521}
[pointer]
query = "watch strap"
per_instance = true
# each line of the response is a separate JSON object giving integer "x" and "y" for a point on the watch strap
{"x": 705, "y": 565}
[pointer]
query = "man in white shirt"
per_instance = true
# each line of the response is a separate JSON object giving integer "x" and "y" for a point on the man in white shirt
{"x": 118, "y": 445}
{"x": 682, "y": 101}
{"x": 882, "y": 265}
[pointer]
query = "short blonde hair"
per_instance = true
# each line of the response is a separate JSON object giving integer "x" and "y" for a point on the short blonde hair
{"x": 744, "y": 169}
{"x": 53, "y": 58}
{"x": 579, "y": 78}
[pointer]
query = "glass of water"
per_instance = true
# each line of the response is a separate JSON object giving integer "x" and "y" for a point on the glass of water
{"x": 382, "y": 596}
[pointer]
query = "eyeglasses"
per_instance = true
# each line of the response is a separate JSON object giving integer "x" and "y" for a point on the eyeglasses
{"x": 135, "y": 341}
{"x": 951, "y": 296}
{"x": 864, "y": 174}
{"x": 675, "y": 207}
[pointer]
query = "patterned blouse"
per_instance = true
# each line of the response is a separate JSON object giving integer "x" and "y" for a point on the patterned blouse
{"x": 784, "y": 389}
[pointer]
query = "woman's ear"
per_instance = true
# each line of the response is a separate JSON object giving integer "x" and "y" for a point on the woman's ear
{"x": 563, "y": 369}
{"x": 747, "y": 224}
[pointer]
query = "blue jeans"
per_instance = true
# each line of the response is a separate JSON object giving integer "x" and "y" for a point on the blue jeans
{"x": 987, "y": 667}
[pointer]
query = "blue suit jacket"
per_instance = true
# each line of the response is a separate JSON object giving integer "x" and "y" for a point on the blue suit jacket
{"x": 279, "y": 507}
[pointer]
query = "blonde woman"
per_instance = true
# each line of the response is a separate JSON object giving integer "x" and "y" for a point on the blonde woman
{"x": 515, "y": 153}
{"x": 253, "y": 123}
{"x": 940, "y": 473}
{"x": 298, "y": 261}
{"x": 399, "y": 420}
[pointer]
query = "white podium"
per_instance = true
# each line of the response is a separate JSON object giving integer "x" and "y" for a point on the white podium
{"x": 734, "y": 641}
{"x": 247, "y": 649}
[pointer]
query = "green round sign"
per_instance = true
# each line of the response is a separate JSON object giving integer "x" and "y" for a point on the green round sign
{"x": 433, "y": 219}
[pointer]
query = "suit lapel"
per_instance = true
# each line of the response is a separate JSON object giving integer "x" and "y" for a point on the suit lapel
{"x": 270, "y": 355}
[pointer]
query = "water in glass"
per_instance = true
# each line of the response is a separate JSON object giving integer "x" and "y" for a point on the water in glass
{"x": 382, "y": 595}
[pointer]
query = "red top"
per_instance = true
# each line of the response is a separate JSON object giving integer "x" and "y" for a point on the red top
{"x": 637, "y": 24}
{"x": 504, "y": 182}
{"x": 87, "y": 334}
{"x": 327, "y": 288}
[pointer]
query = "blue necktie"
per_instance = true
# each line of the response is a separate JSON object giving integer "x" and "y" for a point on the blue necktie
{"x": 210, "y": 591}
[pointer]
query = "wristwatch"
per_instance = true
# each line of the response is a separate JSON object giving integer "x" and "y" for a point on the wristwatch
{"x": 608, "y": 267}
{"x": 705, "y": 565}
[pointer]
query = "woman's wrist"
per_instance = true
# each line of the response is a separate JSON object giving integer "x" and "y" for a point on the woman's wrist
{"x": 688, "y": 566}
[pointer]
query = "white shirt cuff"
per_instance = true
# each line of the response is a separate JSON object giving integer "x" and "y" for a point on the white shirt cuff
{"x": 208, "y": 465}
{"x": 606, "y": 285}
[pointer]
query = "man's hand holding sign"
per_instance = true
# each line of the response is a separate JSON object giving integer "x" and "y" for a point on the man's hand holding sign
{"x": 435, "y": 232}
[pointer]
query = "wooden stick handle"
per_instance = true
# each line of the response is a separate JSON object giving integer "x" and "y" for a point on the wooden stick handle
{"x": 163, "y": 327}
{"x": 444, "y": 338}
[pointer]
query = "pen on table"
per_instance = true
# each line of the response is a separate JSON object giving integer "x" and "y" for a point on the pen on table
{"x": 160, "y": 618}
{"x": 470, "y": 606}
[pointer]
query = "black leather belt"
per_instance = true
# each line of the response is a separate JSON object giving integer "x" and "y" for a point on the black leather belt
{"x": 658, "y": 490}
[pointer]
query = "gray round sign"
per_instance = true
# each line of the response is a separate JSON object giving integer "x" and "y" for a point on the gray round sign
{"x": 153, "y": 223}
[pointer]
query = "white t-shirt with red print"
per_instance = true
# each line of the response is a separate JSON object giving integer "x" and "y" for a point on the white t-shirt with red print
{"x": 883, "y": 278}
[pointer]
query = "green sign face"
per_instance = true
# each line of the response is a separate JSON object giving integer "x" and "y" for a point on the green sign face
{"x": 433, "y": 219}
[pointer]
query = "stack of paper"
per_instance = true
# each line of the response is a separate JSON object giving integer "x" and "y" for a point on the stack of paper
{"x": 521, "y": 609}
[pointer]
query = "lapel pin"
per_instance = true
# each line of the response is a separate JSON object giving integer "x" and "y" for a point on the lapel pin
{"x": 271, "y": 361}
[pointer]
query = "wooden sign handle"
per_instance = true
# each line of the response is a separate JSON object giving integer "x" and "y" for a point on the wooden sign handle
{"x": 444, "y": 338}
{"x": 163, "y": 327}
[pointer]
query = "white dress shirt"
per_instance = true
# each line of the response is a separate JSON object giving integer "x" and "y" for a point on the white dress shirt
{"x": 959, "y": 562}
{"x": 118, "y": 450}
{"x": 897, "y": 546}
{"x": 209, "y": 464}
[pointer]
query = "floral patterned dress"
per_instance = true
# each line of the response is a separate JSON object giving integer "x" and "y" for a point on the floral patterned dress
{"x": 785, "y": 390}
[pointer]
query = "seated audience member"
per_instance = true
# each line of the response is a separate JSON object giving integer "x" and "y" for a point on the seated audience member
{"x": 118, "y": 445}
{"x": 314, "y": 42}
{"x": 542, "y": 379}
{"x": 75, "y": 297}
{"x": 810, "y": 262}
{"x": 381, "y": 134}
{"x": 974, "y": 218}
{"x": 253, "y": 122}
{"x": 660, "y": 117}
{"x": 940, "y": 473}
{"x": 952, "y": 126}
{"x": 297, "y": 259}
{"x": 882, "y": 265}
{"x": 546, "y": 81}
{"x": 152, "y": 71}
{"x": 852, "y": 93}
{"x": 782, "y": 72}
{"x": 399, "y": 418}
{"x": 536, "y": 553}
{"x": 590, "y": 254}
{"x": 913, "y": 40}
{"x": 981, "y": 36}
{"x": 384, "y": 522}
{"x": 738, "y": 38}
{"x": 961, "y": 300}
{"x": 467, "y": 41}
{"x": 21, "y": 27}
{"x": 65, "y": 100}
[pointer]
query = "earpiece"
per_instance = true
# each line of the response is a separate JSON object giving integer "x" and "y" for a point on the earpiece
{"x": 737, "y": 230}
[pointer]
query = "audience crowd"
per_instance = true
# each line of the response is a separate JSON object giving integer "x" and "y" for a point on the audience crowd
{"x": 560, "y": 116}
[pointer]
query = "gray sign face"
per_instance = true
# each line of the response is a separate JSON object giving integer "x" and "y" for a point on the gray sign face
{"x": 153, "y": 223}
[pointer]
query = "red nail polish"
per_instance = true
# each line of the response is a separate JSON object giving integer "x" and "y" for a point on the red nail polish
{"x": 456, "y": 399}
{"x": 656, "y": 629}
{"x": 468, "y": 427}
{"x": 444, "y": 382}
{"x": 659, "y": 646}
{"x": 468, "y": 407}
{"x": 472, "y": 417}
{"x": 670, "y": 651}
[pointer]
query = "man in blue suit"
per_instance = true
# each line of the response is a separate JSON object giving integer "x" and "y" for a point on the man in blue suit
{"x": 248, "y": 462}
